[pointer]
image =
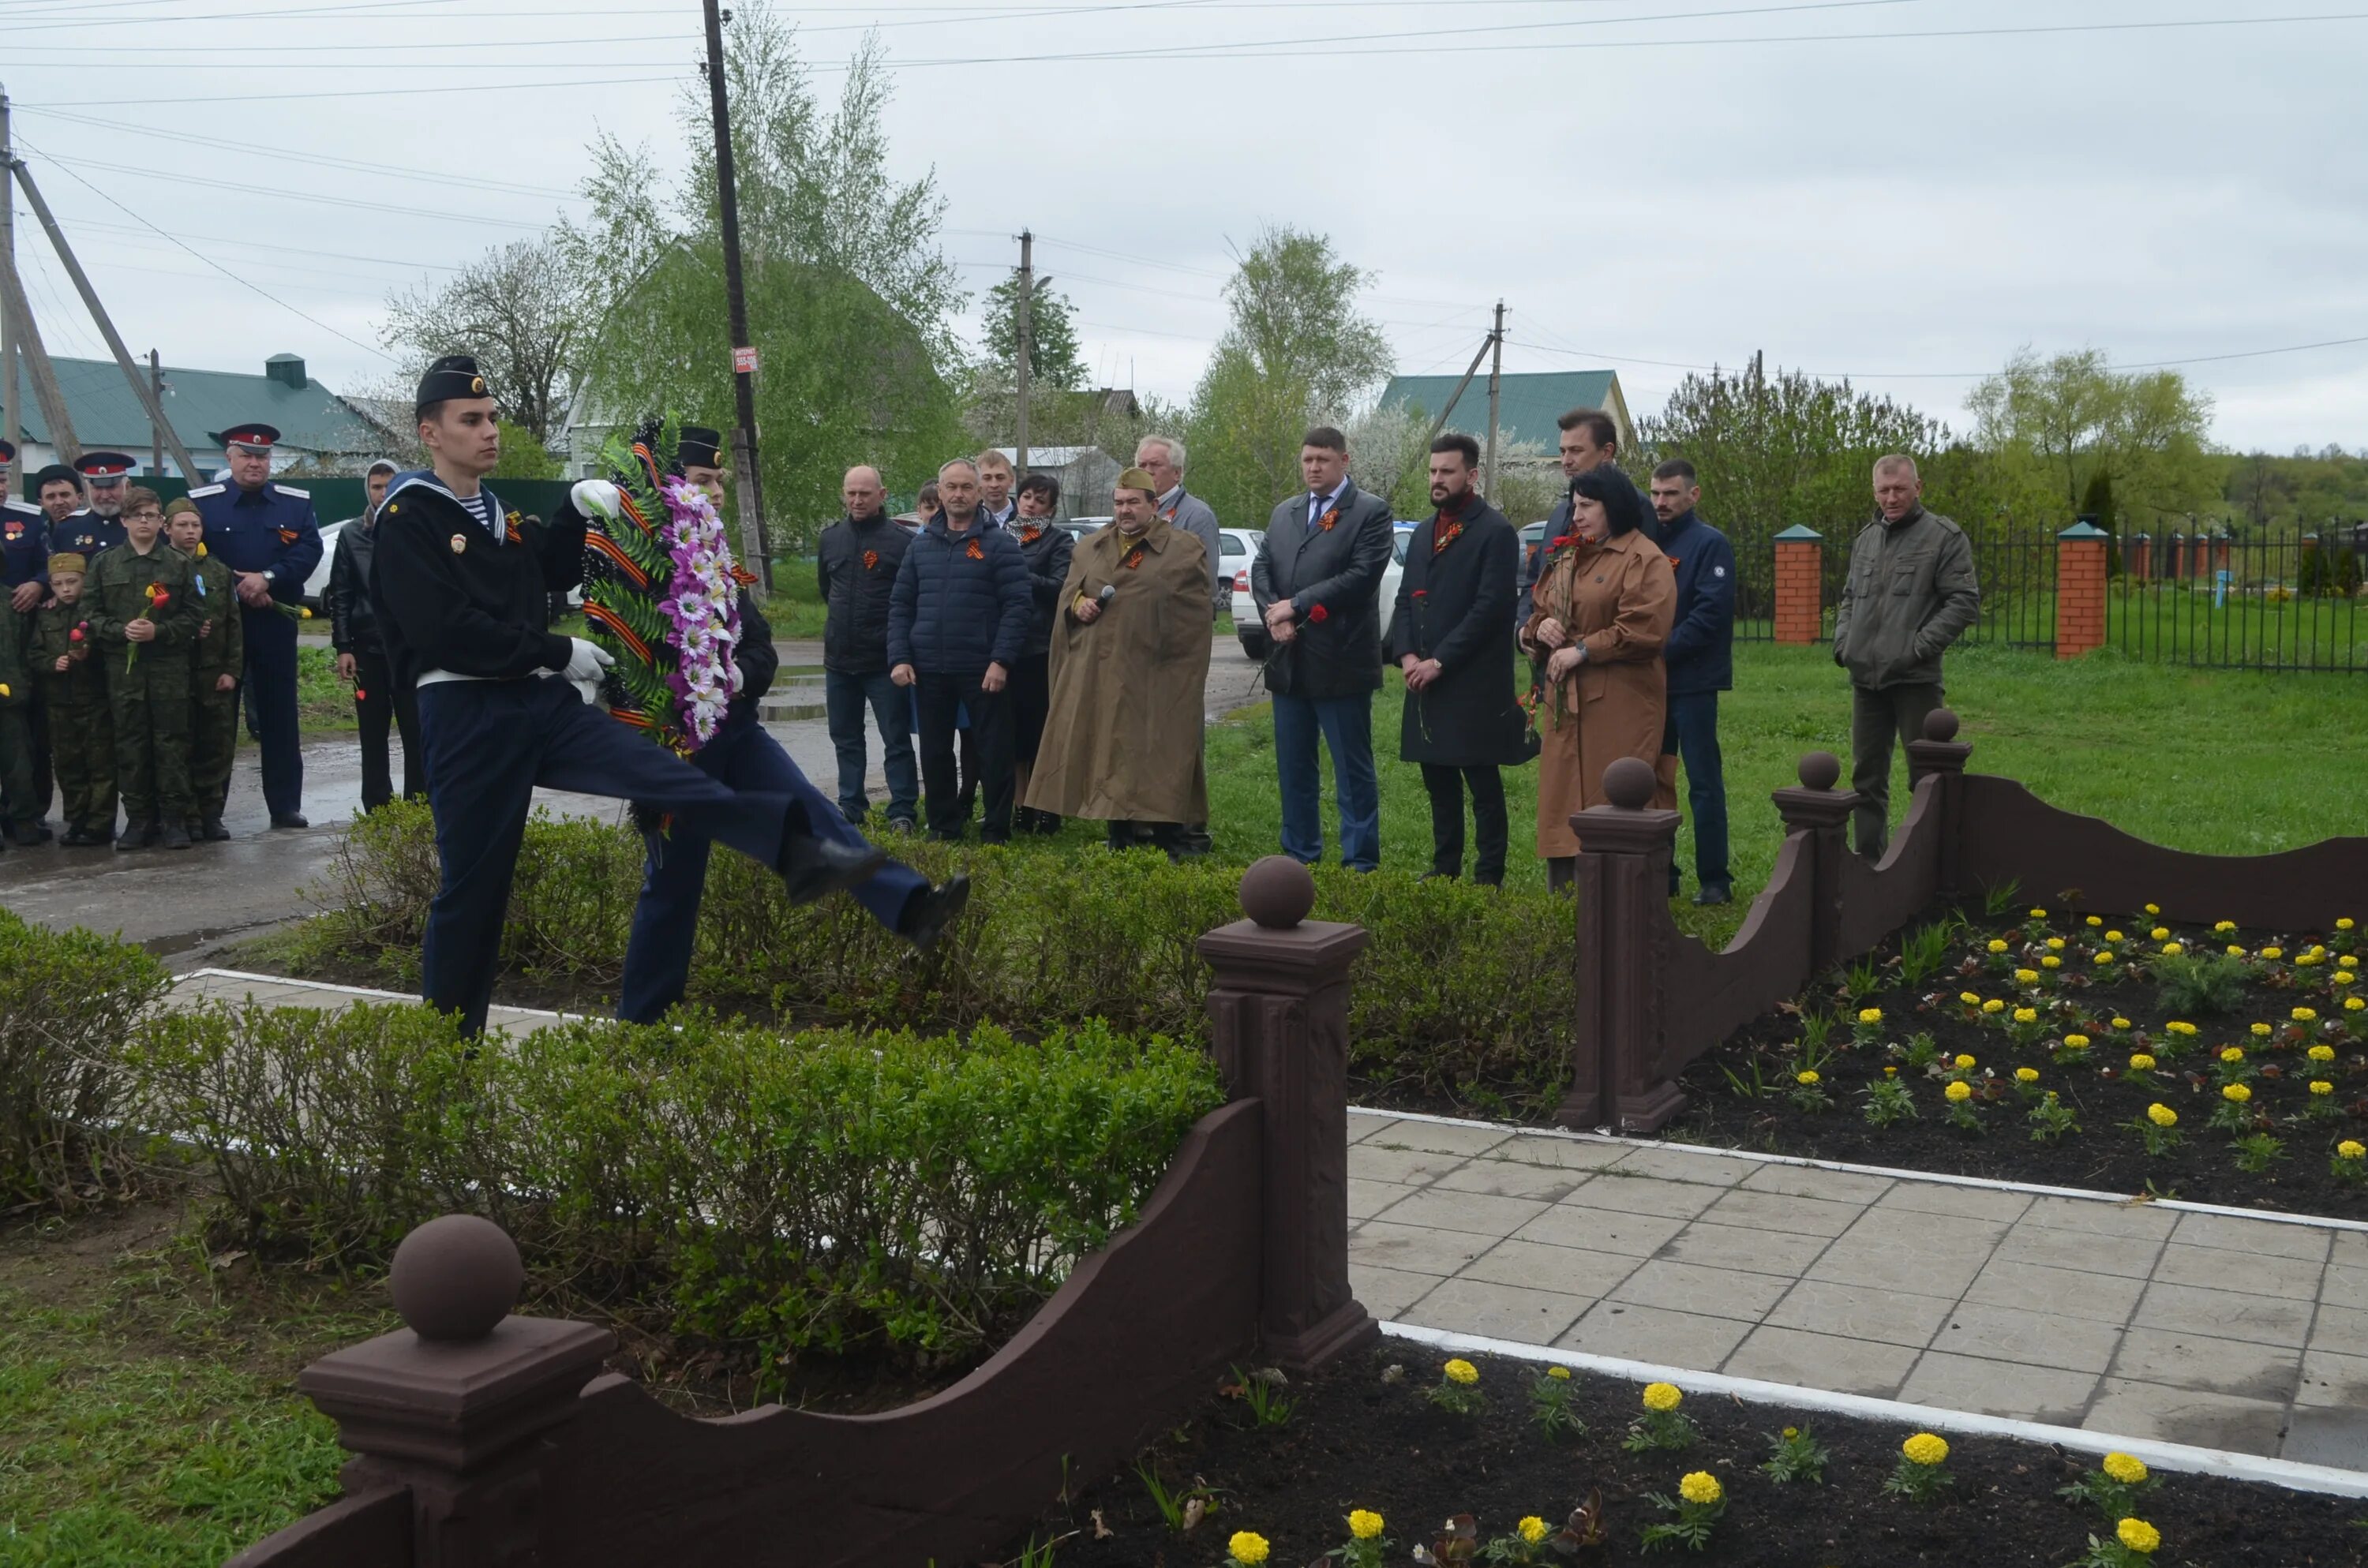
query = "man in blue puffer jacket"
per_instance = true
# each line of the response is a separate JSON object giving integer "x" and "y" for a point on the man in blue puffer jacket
{"x": 1700, "y": 657}
{"x": 957, "y": 622}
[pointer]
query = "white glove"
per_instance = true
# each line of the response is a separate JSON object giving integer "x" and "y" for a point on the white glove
{"x": 587, "y": 662}
{"x": 597, "y": 498}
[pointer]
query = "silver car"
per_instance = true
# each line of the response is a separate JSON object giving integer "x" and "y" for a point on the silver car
{"x": 1251, "y": 631}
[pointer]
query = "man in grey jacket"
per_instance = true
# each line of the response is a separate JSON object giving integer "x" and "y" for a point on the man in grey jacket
{"x": 1162, "y": 457}
{"x": 1910, "y": 593}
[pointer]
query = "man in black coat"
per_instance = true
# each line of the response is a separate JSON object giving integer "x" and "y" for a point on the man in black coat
{"x": 1700, "y": 657}
{"x": 1589, "y": 440}
{"x": 380, "y": 699}
{"x": 1453, "y": 634}
{"x": 855, "y": 567}
{"x": 1318, "y": 583}
{"x": 462, "y": 588}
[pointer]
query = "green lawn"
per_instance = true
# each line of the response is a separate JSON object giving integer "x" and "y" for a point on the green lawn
{"x": 2211, "y": 761}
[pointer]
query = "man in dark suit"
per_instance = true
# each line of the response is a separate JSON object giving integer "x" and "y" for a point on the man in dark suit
{"x": 1318, "y": 583}
{"x": 1452, "y": 635}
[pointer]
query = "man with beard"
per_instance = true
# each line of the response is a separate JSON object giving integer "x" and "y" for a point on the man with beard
{"x": 106, "y": 474}
{"x": 855, "y": 568}
{"x": 1700, "y": 657}
{"x": 1453, "y": 634}
{"x": 1130, "y": 671}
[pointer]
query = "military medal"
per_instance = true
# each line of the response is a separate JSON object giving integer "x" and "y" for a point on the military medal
{"x": 459, "y": 543}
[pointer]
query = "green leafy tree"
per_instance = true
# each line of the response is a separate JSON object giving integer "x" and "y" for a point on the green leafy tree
{"x": 524, "y": 456}
{"x": 518, "y": 310}
{"x": 2096, "y": 501}
{"x": 1295, "y": 352}
{"x": 1052, "y": 362}
{"x": 2051, "y": 423}
{"x": 849, "y": 297}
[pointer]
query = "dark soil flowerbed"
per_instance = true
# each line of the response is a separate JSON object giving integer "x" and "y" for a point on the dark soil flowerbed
{"x": 1357, "y": 1439}
{"x": 2180, "y": 996}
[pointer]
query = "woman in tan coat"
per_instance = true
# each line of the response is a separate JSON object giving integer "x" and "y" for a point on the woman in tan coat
{"x": 1604, "y": 602}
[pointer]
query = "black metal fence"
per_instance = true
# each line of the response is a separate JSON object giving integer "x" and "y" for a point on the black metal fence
{"x": 2213, "y": 601}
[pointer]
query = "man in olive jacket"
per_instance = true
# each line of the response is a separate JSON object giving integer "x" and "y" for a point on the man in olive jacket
{"x": 1910, "y": 593}
{"x": 1318, "y": 583}
{"x": 1453, "y": 636}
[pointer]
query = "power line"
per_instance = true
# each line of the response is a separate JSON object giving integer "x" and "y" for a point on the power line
{"x": 309, "y": 198}
{"x": 1945, "y": 375}
{"x": 179, "y": 100}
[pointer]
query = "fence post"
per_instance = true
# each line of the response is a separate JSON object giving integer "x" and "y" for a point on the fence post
{"x": 1822, "y": 812}
{"x": 1800, "y": 584}
{"x": 1279, "y": 1030}
{"x": 2080, "y": 590}
{"x": 451, "y": 1407}
{"x": 1622, "y": 878}
{"x": 2141, "y": 557}
{"x": 1941, "y": 755}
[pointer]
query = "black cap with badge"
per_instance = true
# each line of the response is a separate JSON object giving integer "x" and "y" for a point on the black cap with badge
{"x": 453, "y": 376}
{"x": 697, "y": 447}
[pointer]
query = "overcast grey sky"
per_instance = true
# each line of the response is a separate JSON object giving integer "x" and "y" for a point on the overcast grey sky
{"x": 1680, "y": 181}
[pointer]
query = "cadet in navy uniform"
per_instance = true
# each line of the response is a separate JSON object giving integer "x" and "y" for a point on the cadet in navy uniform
{"x": 267, "y": 535}
{"x": 744, "y": 755}
{"x": 24, "y": 584}
{"x": 462, "y": 590}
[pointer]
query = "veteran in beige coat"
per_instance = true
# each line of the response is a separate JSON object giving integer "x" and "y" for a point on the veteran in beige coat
{"x": 1601, "y": 611}
{"x": 1130, "y": 671}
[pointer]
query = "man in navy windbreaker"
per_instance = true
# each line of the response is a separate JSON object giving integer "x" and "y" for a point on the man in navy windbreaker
{"x": 957, "y": 622}
{"x": 1700, "y": 656}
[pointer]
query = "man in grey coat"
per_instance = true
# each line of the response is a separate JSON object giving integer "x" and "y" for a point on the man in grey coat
{"x": 1910, "y": 593}
{"x": 1318, "y": 582}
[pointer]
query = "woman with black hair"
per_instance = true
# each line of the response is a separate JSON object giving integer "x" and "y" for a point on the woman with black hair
{"x": 1604, "y": 601}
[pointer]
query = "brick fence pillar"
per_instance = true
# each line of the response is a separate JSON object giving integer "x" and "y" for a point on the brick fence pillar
{"x": 1279, "y": 1030}
{"x": 2080, "y": 590}
{"x": 2139, "y": 557}
{"x": 1799, "y": 586}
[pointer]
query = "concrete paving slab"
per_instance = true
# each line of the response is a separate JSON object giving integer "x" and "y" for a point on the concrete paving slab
{"x": 1500, "y": 1311}
{"x": 2229, "y": 1233}
{"x": 2047, "y": 1394}
{"x": 1782, "y": 1211}
{"x": 1386, "y": 1293}
{"x": 1821, "y": 1361}
{"x": 1573, "y": 1271}
{"x": 2101, "y": 1298}
{"x": 1889, "y": 1317}
{"x": 1883, "y": 1266}
{"x": 2330, "y": 1378}
{"x": 2235, "y": 1368}
{"x": 2254, "y": 1274}
{"x": 2343, "y": 1329}
{"x": 1615, "y": 1188}
{"x": 2190, "y": 1309}
{"x": 1440, "y": 1138}
{"x": 1741, "y": 1247}
{"x": 2328, "y": 1436}
{"x": 1689, "y": 1287}
{"x": 1648, "y": 1333}
{"x": 1960, "y": 1202}
{"x": 2096, "y": 1219}
{"x": 1413, "y": 1247}
{"x": 1367, "y": 1198}
{"x": 2029, "y": 1339}
{"x": 1473, "y": 1213}
{"x": 1600, "y": 1229}
{"x": 1513, "y": 1178}
{"x": 2087, "y": 1252}
{"x": 2186, "y": 1416}
{"x": 1809, "y": 1181}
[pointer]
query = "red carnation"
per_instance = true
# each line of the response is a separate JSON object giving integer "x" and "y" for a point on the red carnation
{"x": 360, "y": 696}
{"x": 1318, "y": 616}
{"x": 76, "y": 635}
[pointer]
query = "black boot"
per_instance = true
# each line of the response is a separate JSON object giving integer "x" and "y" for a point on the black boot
{"x": 214, "y": 830}
{"x": 174, "y": 836}
{"x": 929, "y": 911}
{"x": 814, "y": 869}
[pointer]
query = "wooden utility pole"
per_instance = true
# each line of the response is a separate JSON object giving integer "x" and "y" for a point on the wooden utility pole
{"x": 131, "y": 376}
{"x": 1495, "y": 377}
{"x": 156, "y": 432}
{"x": 735, "y": 299}
{"x": 38, "y": 368}
{"x": 10, "y": 431}
{"x": 1026, "y": 344}
{"x": 1457, "y": 396}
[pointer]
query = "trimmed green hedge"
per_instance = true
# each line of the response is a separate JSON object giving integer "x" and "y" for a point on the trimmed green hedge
{"x": 832, "y": 1191}
{"x": 1463, "y": 991}
{"x": 67, "y": 1000}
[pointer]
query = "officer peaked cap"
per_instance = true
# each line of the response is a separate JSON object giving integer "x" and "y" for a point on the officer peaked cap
{"x": 261, "y": 435}
{"x": 105, "y": 468}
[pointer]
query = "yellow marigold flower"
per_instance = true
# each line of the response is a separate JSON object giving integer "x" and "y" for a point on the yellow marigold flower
{"x": 2344, "y": 924}
{"x": 2127, "y": 1469}
{"x": 2178, "y": 1027}
{"x": 1993, "y": 1006}
{"x": 2055, "y": 944}
{"x": 2026, "y": 1014}
{"x": 2141, "y": 1062}
{"x": 2172, "y": 950}
{"x": 2138, "y": 1535}
{"x": 1870, "y": 1015}
{"x": 2159, "y": 932}
{"x": 2232, "y": 1053}
{"x": 1663, "y": 1397}
{"x": 1962, "y": 1062}
{"x": 2273, "y": 952}
{"x": 2305, "y": 1014}
{"x": 2344, "y": 977}
{"x": 1700, "y": 1486}
{"x": 2104, "y": 958}
{"x": 2051, "y": 962}
{"x": 2113, "y": 936}
{"x": 1248, "y": 1547}
{"x": 2351, "y": 1149}
{"x": 2093, "y": 920}
{"x": 2154, "y": 909}
{"x": 2026, "y": 1075}
{"x": 1533, "y": 1528}
{"x": 1969, "y": 999}
{"x": 2025, "y": 976}
{"x": 1364, "y": 1524}
{"x": 2121, "y": 1023}
{"x": 1959, "y": 1092}
{"x": 2262, "y": 1031}
{"x": 2353, "y": 1003}
{"x": 2038, "y": 915}
{"x": 1461, "y": 1372}
{"x": 1998, "y": 944}
{"x": 1791, "y": 1433}
{"x": 2076, "y": 1042}
{"x": 2234, "y": 950}
{"x": 2162, "y": 1115}
{"x": 2322, "y": 1054}
{"x": 2321, "y": 1086}
{"x": 2237, "y": 1093}
{"x": 2224, "y": 926}
{"x": 1926, "y": 1449}
{"x": 2307, "y": 960}
{"x": 1805, "y": 1077}
{"x": 1561, "y": 1374}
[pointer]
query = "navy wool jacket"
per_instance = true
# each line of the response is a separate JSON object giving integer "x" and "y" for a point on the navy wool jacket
{"x": 963, "y": 601}
{"x": 1700, "y": 653}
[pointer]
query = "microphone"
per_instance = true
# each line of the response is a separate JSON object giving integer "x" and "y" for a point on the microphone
{"x": 1109, "y": 592}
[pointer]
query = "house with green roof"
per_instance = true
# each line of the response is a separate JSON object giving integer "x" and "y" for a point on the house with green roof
{"x": 320, "y": 433}
{"x": 1528, "y": 406}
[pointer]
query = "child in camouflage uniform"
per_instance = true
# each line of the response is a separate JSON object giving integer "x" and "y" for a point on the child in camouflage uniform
{"x": 145, "y": 618}
{"x": 73, "y": 689}
{"x": 214, "y": 668}
{"x": 16, "y": 802}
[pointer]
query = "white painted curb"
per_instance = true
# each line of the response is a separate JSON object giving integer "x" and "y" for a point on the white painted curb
{"x": 1938, "y": 1178}
{"x": 2178, "y": 1457}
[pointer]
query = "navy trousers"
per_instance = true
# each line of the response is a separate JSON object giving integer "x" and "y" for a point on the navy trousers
{"x": 271, "y": 699}
{"x": 1346, "y": 724}
{"x": 488, "y": 744}
{"x": 1691, "y": 735}
{"x": 666, "y": 921}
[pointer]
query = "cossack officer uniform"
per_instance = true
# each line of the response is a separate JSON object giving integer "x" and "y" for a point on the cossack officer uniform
{"x": 25, "y": 557}
{"x": 271, "y": 529}
{"x": 24, "y": 537}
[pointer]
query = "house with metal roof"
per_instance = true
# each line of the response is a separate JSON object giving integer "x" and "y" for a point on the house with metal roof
{"x": 320, "y": 432}
{"x": 1528, "y": 406}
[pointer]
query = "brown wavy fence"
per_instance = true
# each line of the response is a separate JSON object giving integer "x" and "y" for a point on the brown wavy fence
{"x": 484, "y": 1438}
{"x": 1653, "y": 998}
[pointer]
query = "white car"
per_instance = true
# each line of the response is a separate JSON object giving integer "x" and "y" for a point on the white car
{"x": 1251, "y": 631}
{"x": 317, "y": 586}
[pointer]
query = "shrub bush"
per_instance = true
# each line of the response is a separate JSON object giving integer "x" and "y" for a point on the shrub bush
{"x": 2199, "y": 984}
{"x": 833, "y": 1190}
{"x": 65, "y": 1001}
{"x": 1462, "y": 991}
